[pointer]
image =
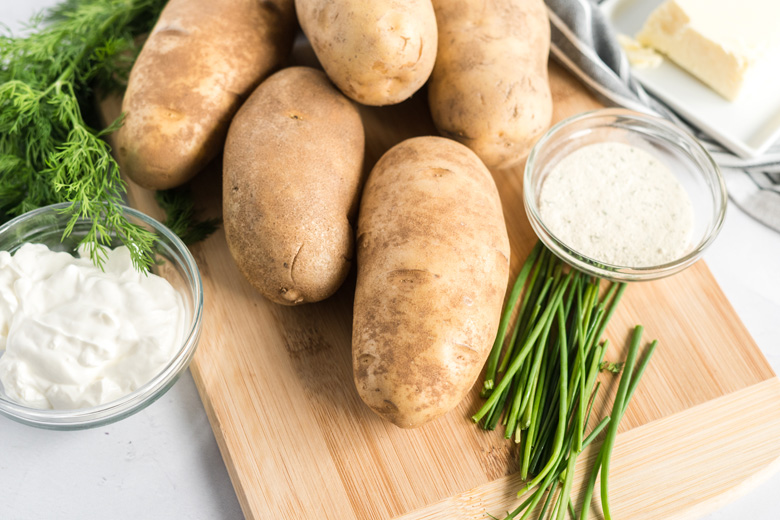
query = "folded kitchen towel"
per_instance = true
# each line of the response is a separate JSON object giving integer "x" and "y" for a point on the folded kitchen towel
{"x": 585, "y": 44}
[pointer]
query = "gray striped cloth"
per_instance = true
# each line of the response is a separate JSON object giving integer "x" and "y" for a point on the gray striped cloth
{"x": 585, "y": 44}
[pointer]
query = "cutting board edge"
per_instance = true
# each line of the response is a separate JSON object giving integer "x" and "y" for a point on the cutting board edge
{"x": 499, "y": 495}
{"x": 222, "y": 442}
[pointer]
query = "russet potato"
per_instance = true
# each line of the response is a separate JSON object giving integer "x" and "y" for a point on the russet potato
{"x": 200, "y": 62}
{"x": 292, "y": 173}
{"x": 377, "y": 52}
{"x": 433, "y": 266}
{"x": 489, "y": 88}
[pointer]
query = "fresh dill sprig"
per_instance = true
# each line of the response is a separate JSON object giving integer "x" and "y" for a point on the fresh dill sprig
{"x": 48, "y": 152}
{"x": 180, "y": 216}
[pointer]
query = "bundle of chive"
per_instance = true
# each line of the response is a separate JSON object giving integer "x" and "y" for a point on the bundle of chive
{"x": 548, "y": 382}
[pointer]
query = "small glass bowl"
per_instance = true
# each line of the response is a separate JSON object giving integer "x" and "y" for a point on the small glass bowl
{"x": 173, "y": 262}
{"x": 678, "y": 150}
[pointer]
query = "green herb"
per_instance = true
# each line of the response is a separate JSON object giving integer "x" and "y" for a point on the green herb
{"x": 609, "y": 366}
{"x": 180, "y": 215}
{"x": 545, "y": 385}
{"x": 628, "y": 383}
{"x": 501, "y": 335}
{"x": 48, "y": 151}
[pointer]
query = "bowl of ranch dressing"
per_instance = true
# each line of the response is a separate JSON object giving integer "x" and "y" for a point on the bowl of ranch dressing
{"x": 80, "y": 345}
{"x": 623, "y": 195}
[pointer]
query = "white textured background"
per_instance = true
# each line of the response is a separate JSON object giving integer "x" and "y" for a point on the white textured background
{"x": 163, "y": 463}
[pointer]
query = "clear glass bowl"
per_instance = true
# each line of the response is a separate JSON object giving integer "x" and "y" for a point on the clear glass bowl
{"x": 173, "y": 262}
{"x": 678, "y": 150}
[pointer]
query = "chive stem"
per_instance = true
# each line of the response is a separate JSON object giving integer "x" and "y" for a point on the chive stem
{"x": 514, "y": 297}
{"x": 516, "y": 363}
{"x": 617, "y": 412}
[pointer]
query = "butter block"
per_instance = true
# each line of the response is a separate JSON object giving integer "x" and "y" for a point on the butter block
{"x": 718, "y": 41}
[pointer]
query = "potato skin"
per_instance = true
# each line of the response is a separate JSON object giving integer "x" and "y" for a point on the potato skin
{"x": 433, "y": 266}
{"x": 292, "y": 173}
{"x": 489, "y": 88}
{"x": 201, "y": 60}
{"x": 378, "y": 52}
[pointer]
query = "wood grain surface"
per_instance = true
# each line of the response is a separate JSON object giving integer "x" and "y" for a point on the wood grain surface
{"x": 297, "y": 440}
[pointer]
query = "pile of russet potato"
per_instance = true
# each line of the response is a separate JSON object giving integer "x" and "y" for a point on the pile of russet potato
{"x": 432, "y": 246}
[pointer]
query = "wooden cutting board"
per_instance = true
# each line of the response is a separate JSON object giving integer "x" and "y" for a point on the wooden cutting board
{"x": 297, "y": 440}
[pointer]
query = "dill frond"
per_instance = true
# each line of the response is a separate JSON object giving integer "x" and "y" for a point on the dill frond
{"x": 48, "y": 152}
{"x": 180, "y": 216}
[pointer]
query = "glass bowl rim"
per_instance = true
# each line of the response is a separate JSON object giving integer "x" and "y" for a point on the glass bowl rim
{"x": 146, "y": 394}
{"x": 710, "y": 171}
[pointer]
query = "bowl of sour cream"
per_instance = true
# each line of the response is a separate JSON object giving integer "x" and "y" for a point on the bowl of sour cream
{"x": 80, "y": 345}
{"x": 623, "y": 195}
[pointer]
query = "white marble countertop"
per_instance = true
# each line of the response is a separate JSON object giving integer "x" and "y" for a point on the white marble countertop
{"x": 163, "y": 463}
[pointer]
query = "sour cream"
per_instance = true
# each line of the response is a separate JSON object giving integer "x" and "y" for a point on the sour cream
{"x": 76, "y": 336}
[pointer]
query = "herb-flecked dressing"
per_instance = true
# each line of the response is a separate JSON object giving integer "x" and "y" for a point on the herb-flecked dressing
{"x": 617, "y": 204}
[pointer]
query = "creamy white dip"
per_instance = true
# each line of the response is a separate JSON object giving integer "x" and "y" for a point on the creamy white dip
{"x": 618, "y": 205}
{"x": 76, "y": 336}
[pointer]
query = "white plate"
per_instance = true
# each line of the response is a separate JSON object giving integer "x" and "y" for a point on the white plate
{"x": 747, "y": 126}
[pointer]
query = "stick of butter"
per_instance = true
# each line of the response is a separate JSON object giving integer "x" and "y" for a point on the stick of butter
{"x": 718, "y": 41}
